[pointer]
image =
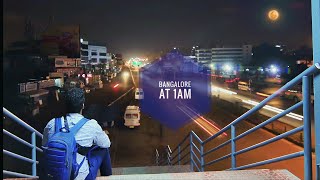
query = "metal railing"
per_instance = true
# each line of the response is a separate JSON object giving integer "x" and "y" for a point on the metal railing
{"x": 31, "y": 145}
{"x": 164, "y": 159}
{"x": 305, "y": 77}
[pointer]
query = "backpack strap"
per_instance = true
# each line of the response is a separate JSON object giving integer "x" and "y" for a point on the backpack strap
{"x": 57, "y": 125}
{"x": 77, "y": 126}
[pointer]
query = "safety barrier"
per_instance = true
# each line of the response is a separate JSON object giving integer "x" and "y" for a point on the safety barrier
{"x": 32, "y": 145}
{"x": 305, "y": 77}
{"x": 163, "y": 159}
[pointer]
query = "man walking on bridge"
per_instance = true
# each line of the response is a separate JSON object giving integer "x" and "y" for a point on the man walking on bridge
{"x": 92, "y": 142}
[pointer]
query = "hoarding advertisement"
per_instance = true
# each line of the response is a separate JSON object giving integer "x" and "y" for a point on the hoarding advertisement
{"x": 180, "y": 94}
{"x": 31, "y": 86}
{"x": 46, "y": 83}
{"x": 67, "y": 62}
{"x": 61, "y": 40}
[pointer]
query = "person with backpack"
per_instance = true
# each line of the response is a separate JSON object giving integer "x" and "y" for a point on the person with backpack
{"x": 73, "y": 146}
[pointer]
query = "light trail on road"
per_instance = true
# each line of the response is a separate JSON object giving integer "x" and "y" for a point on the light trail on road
{"x": 195, "y": 120}
{"x": 207, "y": 121}
{"x": 274, "y": 109}
{"x": 254, "y": 103}
{"x": 121, "y": 96}
{"x": 217, "y": 89}
{"x": 202, "y": 122}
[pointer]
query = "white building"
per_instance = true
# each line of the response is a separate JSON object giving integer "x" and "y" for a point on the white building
{"x": 93, "y": 53}
{"x": 204, "y": 56}
{"x": 224, "y": 55}
{"x": 97, "y": 54}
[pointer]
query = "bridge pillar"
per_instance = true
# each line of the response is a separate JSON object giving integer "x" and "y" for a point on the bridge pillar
{"x": 315, "y": 9}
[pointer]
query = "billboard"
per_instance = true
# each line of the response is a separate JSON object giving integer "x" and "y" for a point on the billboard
{"x": 31, "y": 86}
{"x": 70, "y": 71}
{"x": 62, "y": 41}
{"x": 46, "y": 83}
{"x": 67, "y": 62}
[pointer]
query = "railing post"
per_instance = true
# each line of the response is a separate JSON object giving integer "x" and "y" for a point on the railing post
{"x": 179, "y": 155}
{"x": 191, "y": 152}
{"x": 34, "y": 154}
{"x": 307, "y": 127}
{"x": 315, "y": 14}
{"x": 201, "y": 157}
{"x": 157, "y": 157}
{"x": 233, "y": 147}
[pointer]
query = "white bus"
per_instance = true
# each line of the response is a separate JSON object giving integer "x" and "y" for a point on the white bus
{"x": 132, "y": 116}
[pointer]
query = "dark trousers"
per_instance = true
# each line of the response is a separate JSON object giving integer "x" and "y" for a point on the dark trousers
{"x": 99, "y": 158}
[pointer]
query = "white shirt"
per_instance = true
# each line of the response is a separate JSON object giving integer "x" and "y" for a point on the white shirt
{"x": 90, "y": 133}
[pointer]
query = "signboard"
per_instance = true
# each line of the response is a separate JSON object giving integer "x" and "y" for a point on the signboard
{"x": 61, "y": 40}
{"x": 22, "y": 87}
{"x": 67, "y": 62}
{"x": 31, "y": 86}
{"x": 69, "y": 71}
{"x": 46, "y": 83}
{"x": 55, "y": 74}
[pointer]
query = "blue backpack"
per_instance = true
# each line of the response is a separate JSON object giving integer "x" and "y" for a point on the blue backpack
{"x": 60, "y": 152}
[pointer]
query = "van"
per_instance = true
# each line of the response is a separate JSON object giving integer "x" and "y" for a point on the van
{"x": 244, "y": 86}
{"x": 132, "y": 116}
{"x": 138, "y": 94}
{"x": 295, "y": 94}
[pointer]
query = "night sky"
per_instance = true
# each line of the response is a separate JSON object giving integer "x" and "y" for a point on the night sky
{"x": 143, "y": 28}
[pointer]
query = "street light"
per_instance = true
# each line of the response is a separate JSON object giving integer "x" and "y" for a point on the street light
{"x": 125, "y": 75}
{"x": 273, "y": 69}
{"x": 227, "y": 67}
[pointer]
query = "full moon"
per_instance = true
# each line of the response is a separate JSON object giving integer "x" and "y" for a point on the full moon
{"x": 273, "y": 15}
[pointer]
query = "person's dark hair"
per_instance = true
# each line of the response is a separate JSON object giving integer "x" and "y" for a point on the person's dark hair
{"x": 74, "y": 100}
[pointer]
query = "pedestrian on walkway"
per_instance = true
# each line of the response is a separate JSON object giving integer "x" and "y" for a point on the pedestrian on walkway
{"x": 93, "y": 142}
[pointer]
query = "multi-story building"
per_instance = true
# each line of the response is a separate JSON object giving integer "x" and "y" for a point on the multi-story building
{"x": 97, "y": 53}
{"x": 193, "y": 50}
{"x": 204, "y": 56}
{"x": 84, "y": 52}
{"x": 222, "y": 55}
{"x": 93, "y": 53}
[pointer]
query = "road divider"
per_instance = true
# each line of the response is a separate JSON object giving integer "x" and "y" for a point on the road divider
{"x": 121, "y": 96}
{"x": 218, "y": 89}
{"x": 262, "y": 94}
{"x": 274, "y": 109}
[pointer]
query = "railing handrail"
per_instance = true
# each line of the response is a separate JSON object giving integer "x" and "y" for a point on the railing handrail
{"x": 32, "y": 145}
{"x": 181, "y": 142}
{"x": 306, "y": 128}
{"x": 21, "y": 122}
